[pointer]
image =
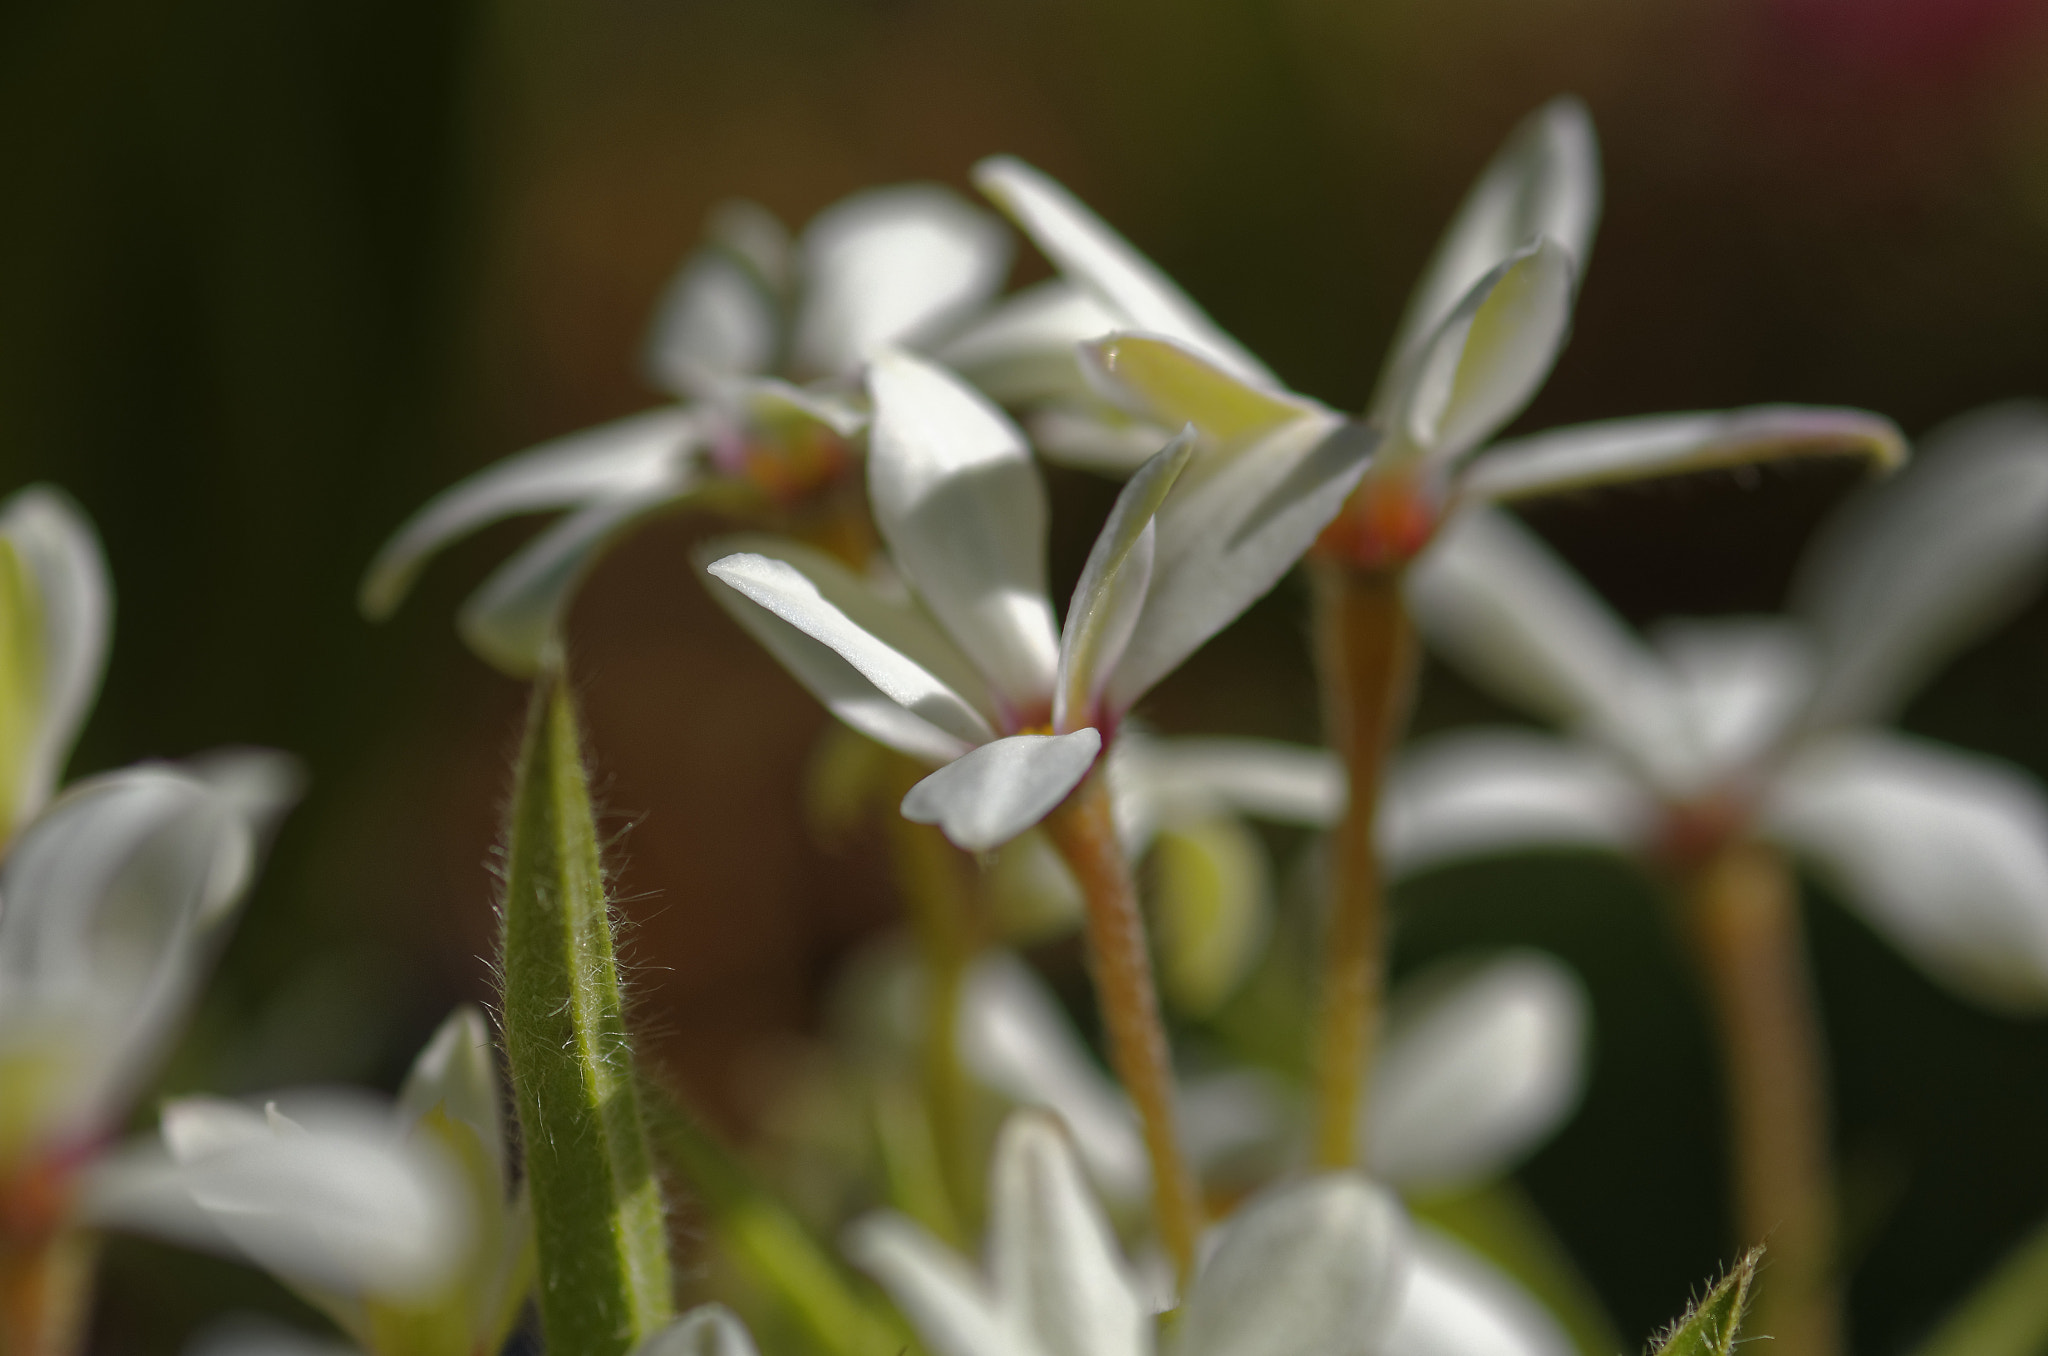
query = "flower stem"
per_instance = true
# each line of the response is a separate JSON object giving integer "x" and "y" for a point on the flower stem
{"x": 932, "y": 876}
{"x": 1366, "y": 660}
{"x": 1085, "y": 835}
{"x": 44, "y": 1286}
{"x": 1743, "y": 915}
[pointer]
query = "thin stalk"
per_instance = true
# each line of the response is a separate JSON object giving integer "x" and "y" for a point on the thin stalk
{"x": 44, "y": 1286}
{"x": 1085, "y": 835}
{"x": 1743, "y": 917}
{"x": 932, "y": 875}
{"x": 1366, "y": 659}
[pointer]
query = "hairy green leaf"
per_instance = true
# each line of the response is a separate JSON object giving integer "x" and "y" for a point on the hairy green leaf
{"x": 1712, "y": 1325}
{"x": 598, "y": 1220}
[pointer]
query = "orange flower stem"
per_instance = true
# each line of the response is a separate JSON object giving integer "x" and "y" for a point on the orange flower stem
{"x": 1085, "y": 835}
{"x": 45, "y": 1284}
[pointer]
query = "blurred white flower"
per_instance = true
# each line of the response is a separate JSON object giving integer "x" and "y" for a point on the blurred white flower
{"x": 760, "y": 339}
{"x": 1768, "y": 726}
{"x": 707, "y": 1330}
{"x": 966, "y": 667}
{"x": 1310, "y": 1268}
{"x": 394, "y": 1220}
{"x": 111, "y": 902}
{"x": 56, "y": 611}
{"x": 1482, "y": 330}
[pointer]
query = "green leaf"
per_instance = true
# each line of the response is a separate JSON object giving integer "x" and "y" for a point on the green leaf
{"x": 1712, "y": 1325}
{"x": 597, "y": 1209}
{"x": 2007, "y": 1314}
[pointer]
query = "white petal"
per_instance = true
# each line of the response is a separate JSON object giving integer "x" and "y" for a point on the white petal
{"x": 717, "y": 318}
{"x": 1057, "y": 1271}
{"x": 1196, "y": 776}
{"x": 1160, "y": 380}
{"x": 888, "y": 648}
{"x": 1512, "y": 616}
{"x": 1236, "y": 522}
{"x": 1585, "y": 455}
{"x": 940, "y": 1295}
{"x": 1110, "y": 593}
{"x": 1474, "y": 792}
{"x": 626, "y": 456}
{"x": 1458, "y": 1304}
{"x": 1312, "y": 1268}
{"x": 247, "y": 1335}
{"x": 1917, "y": 566}
{"x": 1023, "y": 349}
{"x": 55, "y": 541}
{"x": 1091, "y": 254}
{"x": 458, "y": 1075}
{"x": 1945, "y": 853}
{"x": 1017, "y": 1040}
{"x": 1745, "y": 681}
{"x": 707, "y": 1330}
{"x": 890, "y": 266}
{"x": 1480, "y": 1065}
{"x": 515, "y": 619}
{"x": 1489, "y": 355}
{"x": 1091, "y": 435}
{"x": 962, "y": 507}
{"x": 1545, "y": 181}
{"x": 989, "y": 795}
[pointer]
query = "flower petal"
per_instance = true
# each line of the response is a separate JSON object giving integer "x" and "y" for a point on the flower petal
{"x": 707, "y": 1330}
{"x": 891, "y": 649}
{"x": 1582, "y": 456}
{"x": 1057, "y": 1271}
{"x": 1544, "y": 182}
{"x": 73, "y": 609}
{"x": 1458, "y": 1304}
{"x": 1234, "y": 524}
{"x": 1745, "y": 682}
{"x": 892, "y": 266}
{"x": 1944, "y": 853}
{"x": 937, "y": 1291}
{"x": 717, "y": 318}
{"x": 1085, "y": 249}
{"x": 1110, "y": 593}
{"x": 962, "y": 507}
{"x": 1491, "y": 596}
{"x": 626, "y": 456}
{"x": 1489, "y": 355}
{"x": 1311, "y": 1268}
{"x": 1186, "y": 777}
{"x": 989, "y": 795}
{"x": 457, "y": 1075}
{"x": 515, "y": 620}
{"x": 1915, "y": 567}
{"x": 1017, "y": 1040}
{"x": 1023, "y": 349}
{"x": 1160, "y": 380}
{"x": 1475, "y": 792}
{"x": 1481, "y": 1063}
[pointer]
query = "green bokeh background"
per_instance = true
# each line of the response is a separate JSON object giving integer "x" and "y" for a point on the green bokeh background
{"x": 271, "y": 274}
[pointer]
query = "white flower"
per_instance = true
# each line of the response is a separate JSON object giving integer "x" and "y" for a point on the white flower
{"x": 1485, "y": 325}
{"x": 970, "y": 671}
{"x": 1768, "y": 726}
{"x": 707, "y": 1330}
{"x": 110, "y": 904}
{"x": 760, "y": 339}
{"x": 56, "y": 610}
{"x": 1311, "y": 1268}
{"x": 393, "y": 1220}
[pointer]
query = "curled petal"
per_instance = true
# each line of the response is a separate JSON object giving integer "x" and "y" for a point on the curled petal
{"x": 1161, "y": 381}
{"x": 962, "y": 507}
{"x": 1919, "y": 565}
{"x": 1458, "y": 1304}
{"x": 1586, "y": 455}
{"x": 988, "y": 796}
{"x": 1480, "y": 1065}
{"x": 457, "y": 1075}
{"x": 1944, "y": 853}
{"x": 61, "y": 657}
{"x": 1023, "y": 350}
{"x": 707, "y": 1330}
{"x": 1089, "y": 253}
{"x": 892, "y": 266}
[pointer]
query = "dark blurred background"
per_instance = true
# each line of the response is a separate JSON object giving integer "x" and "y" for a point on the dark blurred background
{"x": 271, "y": 274}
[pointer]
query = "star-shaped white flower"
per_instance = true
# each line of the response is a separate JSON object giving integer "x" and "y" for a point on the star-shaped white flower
{"x": 1769, "y": 726}
{"x": 965, "y": 666}
{"x": 760, "y": 339}
{"x": 394, "y": 1220}
{"x": 1481, "y": 333}
{"x": 1314, "y": 1267}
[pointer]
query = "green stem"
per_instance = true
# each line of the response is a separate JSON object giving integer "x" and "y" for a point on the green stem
{"x": 604, "y": 1282}
{"x": 1085, "y": 835}
{"x": 1743, "y": 913}
{"x": 1366, "y": 660}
